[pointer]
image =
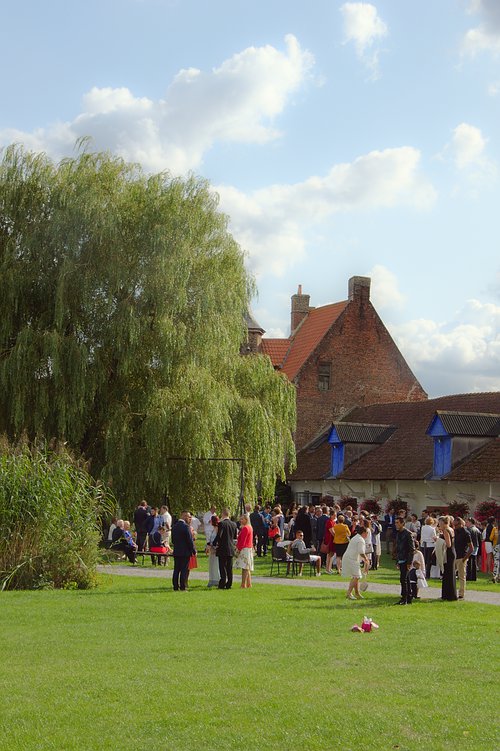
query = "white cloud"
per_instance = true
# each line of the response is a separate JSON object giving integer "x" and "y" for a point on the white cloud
{"x": 467, "y": 150}
{"x": 494, "y": 88}
{"x": 468, "y": 144}
{"x": 270, "y": 223}
{"x": 486, "y": 36}
{"x": 385, "y": 293}
{"x": 237, "y": 101}
{"x": 462, "y": 355}
{"x": 364, "y": 28}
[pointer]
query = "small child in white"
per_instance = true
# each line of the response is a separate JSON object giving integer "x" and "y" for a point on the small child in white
{"x": 417, "y": 579}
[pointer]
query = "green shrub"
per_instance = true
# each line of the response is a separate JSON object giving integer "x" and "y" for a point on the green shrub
{"x": 50, "y": 511}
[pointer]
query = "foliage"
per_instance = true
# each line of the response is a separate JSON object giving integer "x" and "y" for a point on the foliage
{"x": 393, "y": 507}
{"x": 346, "y": 501}
{"x": 372, "y": 506}
{"x": 49, "y": 520}
{"x": 121, "y": 318}
{"x": 487, "y": 509}
{"x": 458, "y": 509}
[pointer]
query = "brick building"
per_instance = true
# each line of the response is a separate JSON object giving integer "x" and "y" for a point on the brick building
{"x": 339, "y": 356}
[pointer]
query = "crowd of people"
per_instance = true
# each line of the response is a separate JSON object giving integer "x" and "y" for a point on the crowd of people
{"x": 333, "y": 540}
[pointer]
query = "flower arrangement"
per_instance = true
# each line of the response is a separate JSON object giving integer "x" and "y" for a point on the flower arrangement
{"x": 486, "y": 509}
{"x": 458, "y": 508}
{"x": 372, "y": 506}
{"x": 346, "y": 501}
{"x": 396, "y": 506}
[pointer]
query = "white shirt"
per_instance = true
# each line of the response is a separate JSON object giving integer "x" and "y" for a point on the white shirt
{"x": 355, "y": 549}
{"x": 427, "y": 535}
{"x": 207, "y": 522}
{"x": 167, "y": 520}
{"x": 195, "y": 523}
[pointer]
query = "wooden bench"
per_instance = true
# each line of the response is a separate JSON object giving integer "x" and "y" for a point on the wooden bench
{"x": 164, "y": 556}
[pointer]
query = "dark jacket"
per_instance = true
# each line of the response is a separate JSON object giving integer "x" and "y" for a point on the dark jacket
{"x": 303, "y": 524}
{"x": 140, "y": 518}
{"x": 405, "y": 547}
{"x": 257, "y": 523}
{"x": 225, "y": 538}
{"x": 182, "y": 540}
{"x": 475, "y": 537}
{"x": 463, "y": 541}
{"x": 320, "y": 527}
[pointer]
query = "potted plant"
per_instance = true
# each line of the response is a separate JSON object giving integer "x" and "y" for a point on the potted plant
{"x": 372, "y": 506}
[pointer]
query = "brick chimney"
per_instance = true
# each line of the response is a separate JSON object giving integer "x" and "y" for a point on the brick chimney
{"x": 359, "y": 289}
{"x": 300, "y": 308}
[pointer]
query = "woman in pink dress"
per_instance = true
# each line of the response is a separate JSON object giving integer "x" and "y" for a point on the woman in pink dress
{"x": 193, "y": 561}
{"x": 328, "y": 540}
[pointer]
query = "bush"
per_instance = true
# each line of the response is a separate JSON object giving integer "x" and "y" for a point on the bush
{"x": 486, "y": 509}
{"x": 346, "y": 501}
{"x": 371, "y": 506}
{"x": 49, "y": 520}
{"x": 457, "y": 508}
{"x": 396, "y": 506}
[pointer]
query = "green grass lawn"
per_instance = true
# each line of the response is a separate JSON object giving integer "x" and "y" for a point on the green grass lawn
{"x": 134, "y": 665}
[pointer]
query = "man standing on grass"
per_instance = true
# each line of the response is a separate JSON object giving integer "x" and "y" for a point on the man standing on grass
{"x": 141, "y": 516}
{"x": 259, "y": 530}
{"x": 184, "y": 548}
{"x": 475, "y": 534}
{"x": 405, "y": 547}
{"x": 224, "y": 543}
{"x": 463, "y": 548}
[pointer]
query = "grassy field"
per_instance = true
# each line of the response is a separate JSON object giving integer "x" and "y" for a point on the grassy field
{"x": 134, "y": 665}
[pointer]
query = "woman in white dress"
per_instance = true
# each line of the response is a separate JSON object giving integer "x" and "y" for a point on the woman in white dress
{"x": 351, "y": 563}
{"x": 428, "y": 539}
{"x": 213, "y": 561}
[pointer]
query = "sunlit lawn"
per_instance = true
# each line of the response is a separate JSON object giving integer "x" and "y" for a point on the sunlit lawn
{"x": 134, "y": 665}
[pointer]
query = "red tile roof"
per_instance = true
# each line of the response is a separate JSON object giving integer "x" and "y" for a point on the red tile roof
{"x": 307, "y": 337}
{"x": 276, "y": 349}
{"x": 409, "y": 452}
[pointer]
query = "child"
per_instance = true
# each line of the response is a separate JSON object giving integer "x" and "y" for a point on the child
{"x": 417, "y": 579}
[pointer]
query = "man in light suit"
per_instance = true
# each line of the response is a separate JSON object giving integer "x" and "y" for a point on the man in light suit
{"x": 224, "y": 543}
{"x": 182, "y": 541}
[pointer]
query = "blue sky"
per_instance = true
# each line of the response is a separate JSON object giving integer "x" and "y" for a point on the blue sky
{"x": 344, "y": 138}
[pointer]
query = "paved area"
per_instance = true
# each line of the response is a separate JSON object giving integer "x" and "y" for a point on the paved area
{"x": 323, "y": 582}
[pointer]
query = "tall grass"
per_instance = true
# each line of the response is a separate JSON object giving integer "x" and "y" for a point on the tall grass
{"x": 50, "y": 509}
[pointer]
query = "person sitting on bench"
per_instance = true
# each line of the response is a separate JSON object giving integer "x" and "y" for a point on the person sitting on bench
{"x": 123, "y": 540}
{"x": 157, "y": 545}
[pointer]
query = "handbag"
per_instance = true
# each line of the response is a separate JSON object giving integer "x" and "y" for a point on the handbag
{"x": 323, "y": 548}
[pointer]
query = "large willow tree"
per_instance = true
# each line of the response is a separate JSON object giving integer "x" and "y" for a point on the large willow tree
{"x": 121, "y": 317}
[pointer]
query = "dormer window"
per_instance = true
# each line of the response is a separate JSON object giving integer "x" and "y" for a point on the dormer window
{"x": 457, "y": 434}
{"x": 324, "y": 371}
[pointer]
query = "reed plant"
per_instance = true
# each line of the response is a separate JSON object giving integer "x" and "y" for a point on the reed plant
{"x": 50, "y": 511}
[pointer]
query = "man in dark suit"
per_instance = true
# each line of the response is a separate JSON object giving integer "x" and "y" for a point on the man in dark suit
{"x": 405, "y": 547}
{"x": 259, "y": 530}
{"x": 140, "y": 521}
{"x": 182, "y": 541}
{"x": 224, "y": 542}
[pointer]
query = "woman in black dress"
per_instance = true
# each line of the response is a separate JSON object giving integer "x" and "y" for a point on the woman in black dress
{"x": 303, "y": 524}
{"x": 449, "y": 585}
